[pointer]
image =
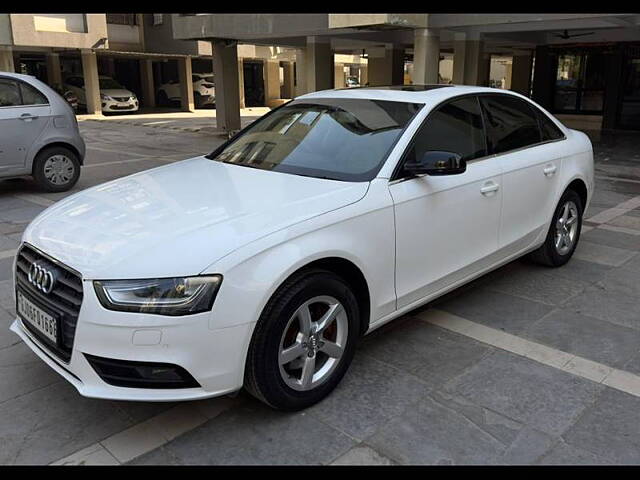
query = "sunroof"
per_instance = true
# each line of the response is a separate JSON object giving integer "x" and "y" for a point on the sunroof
{"x": 409, "y": 88}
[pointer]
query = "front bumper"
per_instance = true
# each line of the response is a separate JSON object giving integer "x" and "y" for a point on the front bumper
{"x": 213, "y": 357}
{"x": 117, "y": 106}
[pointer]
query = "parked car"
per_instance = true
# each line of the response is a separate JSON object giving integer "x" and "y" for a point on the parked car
{"x": 263, "y": 263}
{"x": 204, "y": 92}
{"x": 69, "y": 96}
{"x": 352, "y": 82}
{"x": 39, "y": 134}
{"x": 114, "y": 97}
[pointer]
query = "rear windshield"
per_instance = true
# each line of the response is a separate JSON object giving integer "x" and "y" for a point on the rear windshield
{"x": 339, "y": 139}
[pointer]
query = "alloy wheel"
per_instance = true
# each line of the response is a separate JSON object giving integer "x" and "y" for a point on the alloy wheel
{"x": 566, "y": 228}
{"x": 313, "y": 343}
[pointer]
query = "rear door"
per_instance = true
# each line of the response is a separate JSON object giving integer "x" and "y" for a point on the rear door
{"x": 446, "y": 226}
{"x": 24, "y": 114}
{"x": 531, "y": 163}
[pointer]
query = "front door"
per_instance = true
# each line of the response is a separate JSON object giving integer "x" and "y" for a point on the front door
{"x": 446, "y": 226}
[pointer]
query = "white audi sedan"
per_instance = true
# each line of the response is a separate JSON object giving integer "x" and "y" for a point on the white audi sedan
{"x": 261, "y": 264}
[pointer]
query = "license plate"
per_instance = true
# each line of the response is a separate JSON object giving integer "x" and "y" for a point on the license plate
{"x": 38, "y": 318}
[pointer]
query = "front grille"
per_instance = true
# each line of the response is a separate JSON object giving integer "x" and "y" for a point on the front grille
{"x": 64, "y": 300}
{"x": 121, "y": 99}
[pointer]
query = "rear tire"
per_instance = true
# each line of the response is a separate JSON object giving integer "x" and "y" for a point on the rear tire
{"x": 564, "y": 232}
{"x": 288, "y": 368}
{"x": 163, "y": 100}
{"x": 56, "y": 169}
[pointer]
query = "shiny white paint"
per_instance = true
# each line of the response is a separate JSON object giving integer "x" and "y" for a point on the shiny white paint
{"x": 413, "y": 240}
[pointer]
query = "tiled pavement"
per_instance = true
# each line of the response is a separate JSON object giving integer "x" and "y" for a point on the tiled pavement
{"x": 416, "y": 393}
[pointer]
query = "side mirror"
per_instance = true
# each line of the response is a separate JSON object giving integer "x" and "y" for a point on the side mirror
{"x": 437, "y": 162}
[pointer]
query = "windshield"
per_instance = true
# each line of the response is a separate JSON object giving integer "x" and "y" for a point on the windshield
{"x": 109, "y": 83}
{"x": 339, "y": 138}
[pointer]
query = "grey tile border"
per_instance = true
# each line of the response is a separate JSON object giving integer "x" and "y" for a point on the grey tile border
{"x": 601, "y": 254}
{"x": 616, "y": 419}
{"x": 594, "y": 339}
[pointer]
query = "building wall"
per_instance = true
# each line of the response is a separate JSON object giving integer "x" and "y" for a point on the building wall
{"x": 5, "y": 29}
{"x": 25, "y": 32}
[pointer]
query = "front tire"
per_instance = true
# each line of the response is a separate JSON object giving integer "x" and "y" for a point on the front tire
{"x": 303, "y": 342}
{"x": 56, "y": 169}
{"x": 564, "y": 232}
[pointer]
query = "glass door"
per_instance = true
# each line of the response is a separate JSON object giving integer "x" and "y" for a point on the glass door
{"x": 630, "y": 103}
{"x": 579, "y": 83}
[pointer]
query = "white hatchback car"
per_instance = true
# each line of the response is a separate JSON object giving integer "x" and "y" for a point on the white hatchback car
{"x": 261, "y": 264}
{"x": 113, "y": 96}
{"x": 204, "y": 90}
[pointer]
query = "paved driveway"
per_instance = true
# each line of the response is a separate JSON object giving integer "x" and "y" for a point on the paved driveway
{"x": 525, "y": 365}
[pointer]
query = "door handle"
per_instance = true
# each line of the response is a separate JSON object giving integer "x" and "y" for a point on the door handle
{"x": 489, "y": 188}
{"x": 27, "y": 117}
{"x": 550, "y": 170}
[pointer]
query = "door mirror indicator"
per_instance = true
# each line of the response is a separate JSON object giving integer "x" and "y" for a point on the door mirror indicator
{"x": 437, "y": 162}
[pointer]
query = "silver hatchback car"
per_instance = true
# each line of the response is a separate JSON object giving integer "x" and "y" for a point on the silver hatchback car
{"x": 39, "y": 134}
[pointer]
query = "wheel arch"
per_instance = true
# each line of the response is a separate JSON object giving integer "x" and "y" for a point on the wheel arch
{"x": 580, "y": 187}
{"x": 350, "y": 273}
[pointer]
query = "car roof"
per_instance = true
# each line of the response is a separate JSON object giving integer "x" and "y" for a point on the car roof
{"x": 405, "y": 93}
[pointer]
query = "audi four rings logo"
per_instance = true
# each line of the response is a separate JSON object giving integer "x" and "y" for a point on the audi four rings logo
{"x": 41, "y": 278}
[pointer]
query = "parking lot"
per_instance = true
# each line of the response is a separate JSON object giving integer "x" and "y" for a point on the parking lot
{"x": 526, "y": 365}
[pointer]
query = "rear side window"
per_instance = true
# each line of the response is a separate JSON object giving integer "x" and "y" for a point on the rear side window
{"x": 511, "y": 123}
{"x": 454, "y": 127}
{"x": 9, "y": 93}
{"x": 549, "y": 130}
{"x": 31, "y": 96}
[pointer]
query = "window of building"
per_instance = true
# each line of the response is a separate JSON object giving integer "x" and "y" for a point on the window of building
{"x": 454, "y": 127}
{"x": 122, "y": 18}
{"x": 579, "y": 83}
{"x": 511, "y": 123}
{"x": 158, "y": 19}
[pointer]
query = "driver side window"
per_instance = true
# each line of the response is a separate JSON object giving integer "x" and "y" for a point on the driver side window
{"x": 454, "y": 127}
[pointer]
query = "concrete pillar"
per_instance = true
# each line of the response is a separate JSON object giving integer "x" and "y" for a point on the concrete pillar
{"x": 241, "y": 82}
{"x": 386, "y": 67}
{"x": 6, "y": 59}
{"x": 54, "y": 72}
{"x": 521, "y": 72}
{"x": 364, "y": 74}
{"x": 543, "y": 72}
{"x": 287, "y": 87}
{"x": 271, "y": 76}
{"x": 338, "y": 77}
{"x": 484, "y": 69}
{"x": 459, "y": 58}
{"x": 146, "y": 79}
{"x": 508, "y": 74}
{"x": 319, "y": 64}
{"x": 301, "y": 72}
{"x": 225, "y": 69}
{"x": 186, "y": 84}
{"x": 91, "y": 83}
{"x": 426, "y": 56}
{"x": 110, "y": 67}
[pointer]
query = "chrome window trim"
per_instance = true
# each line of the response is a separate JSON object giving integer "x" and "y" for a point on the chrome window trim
{"x": 393, "y": 180}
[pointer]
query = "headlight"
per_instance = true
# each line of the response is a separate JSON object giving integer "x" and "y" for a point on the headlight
{"x": 161, "y": 296}
{"x": 105, "y": 97}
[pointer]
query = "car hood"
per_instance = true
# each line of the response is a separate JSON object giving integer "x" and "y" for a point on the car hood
{"x": 178, "y": 219}
{"x": 116, "y": 92}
